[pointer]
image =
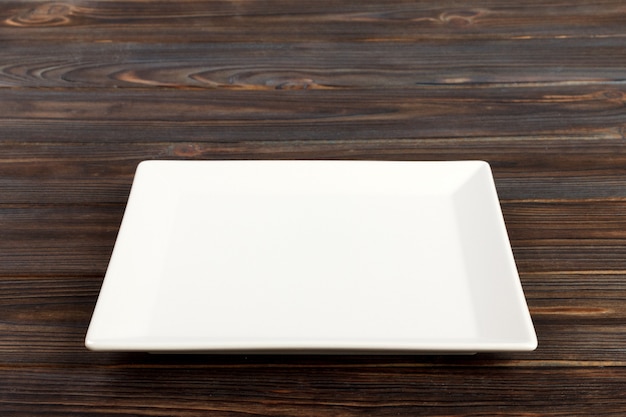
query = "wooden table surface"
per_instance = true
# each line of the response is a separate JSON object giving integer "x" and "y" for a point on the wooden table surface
{"x": 89, "y": 88}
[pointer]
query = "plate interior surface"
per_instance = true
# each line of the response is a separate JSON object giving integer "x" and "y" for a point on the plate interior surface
{"x": 312, "y": 256}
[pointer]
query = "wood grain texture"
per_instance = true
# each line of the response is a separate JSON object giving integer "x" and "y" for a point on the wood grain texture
{"x": 318, "y": 65}
{"x": 389, "y": 114}
{"x": 90, "y": 88}
{"x": 275, "y": 20}
{"x": 276, "y": 389}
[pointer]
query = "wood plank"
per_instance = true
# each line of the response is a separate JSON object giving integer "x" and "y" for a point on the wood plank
{"x": 275, "y": 20}
{"x": 65, "y": 240}
{"x": 575, "y": 220}
{"x": 173, "y": 115}
{"x": 319, "y": 65}
{"x": 321, "y": 390}
{"x": 571, "y": 256}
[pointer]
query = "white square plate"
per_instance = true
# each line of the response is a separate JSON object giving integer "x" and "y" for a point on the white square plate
{"x": 312, "y": 256}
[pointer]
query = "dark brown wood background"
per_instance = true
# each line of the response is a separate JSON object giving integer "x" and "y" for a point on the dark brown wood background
{"x": 90, "y": 88}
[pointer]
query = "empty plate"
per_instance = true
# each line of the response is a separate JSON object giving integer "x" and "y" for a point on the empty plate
{"x": 312, "y": 256}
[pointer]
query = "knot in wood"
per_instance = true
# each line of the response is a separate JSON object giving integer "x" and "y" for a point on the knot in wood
{"x": 46, "y": 14}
